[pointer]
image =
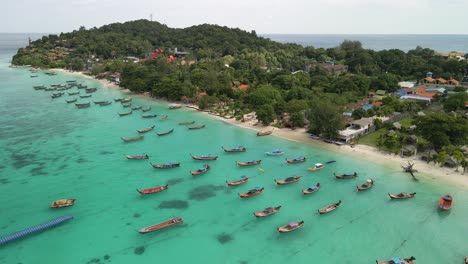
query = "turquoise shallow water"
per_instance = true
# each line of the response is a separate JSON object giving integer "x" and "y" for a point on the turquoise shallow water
{"x": 53, "y": 150}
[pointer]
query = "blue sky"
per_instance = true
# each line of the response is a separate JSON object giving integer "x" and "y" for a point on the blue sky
{"x": 263, "y": 16}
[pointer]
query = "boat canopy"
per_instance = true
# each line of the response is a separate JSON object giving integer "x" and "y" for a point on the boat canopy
{"x": 293, "y": 224}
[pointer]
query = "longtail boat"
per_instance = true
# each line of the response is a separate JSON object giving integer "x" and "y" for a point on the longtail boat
{"x": 264, "y": 133}
{"x": 146, "y": 109}
{"x": 62, "y": 203}
{"x": 153, "y": 190}
{"x": 365, "y": 186}
{"x": 251, "y": 193}
{"x": 311, "y": 189}
{"x": 137, "y": 157}
{"x": 86, "y": 96}
{"x": 132, "y": 138}
{"x": 196, "y": 127}
{"x": 90, "y": 90}
{"x": 316, "y": 167}
{"x": 466, "y": 260}
{"x": 164, "y": 118}
{"x": 236, "y": 149}
{"x": 299, "y": 159}
{"x": 149, "y": 116}
{"x": 243, "y": 180}
{"x": 117, "y": 99}
{"x": 105, "y": 103}
{"x": 288, "y": 180}
{"x": 397, "y": 261}
{"x": 168, "y": 165}
{"x": 204, "y": 157}
{"x": 100, "y": 102}
{"x": 275, "y": 152}
{"x": 71, "y": 100}
{"x": 126, "y": 105}
{"x": 136, "y": 107}
{"x": 125, "y": 114}
{"x": 74, "y": 93}
{"x": 329, "y": 208}
{"x": 187, "y": 123}
{"x": 402, "y": 195}
{"x": 146, "y": 129}
{"x": 125, "y": 100}
{"x": 201, "y": 170}
{"x": 446, "y": 202}
{"x": 39, "y": 87}
{"x": 175, "y": 106}
{"x": 165, "y": 133}
{"x": 248, "y": 163}
{"x": 174, "y": 221}
{"x": 56, "y": 95}
{"x": 83, "y": 105}
{"x": 290, "y": 227}
{"x": 346, "y": 175}
{"x": 50, "y": 89}
{"x": 267, "y": 211}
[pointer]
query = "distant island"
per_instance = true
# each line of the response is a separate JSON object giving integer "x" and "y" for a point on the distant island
{"x": 415, "y": 101}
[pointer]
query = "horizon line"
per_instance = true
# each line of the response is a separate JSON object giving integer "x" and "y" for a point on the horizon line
{"x": 354, "y": 34}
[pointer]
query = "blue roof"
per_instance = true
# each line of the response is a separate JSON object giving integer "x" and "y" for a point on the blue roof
{"x": 366, "y": 107}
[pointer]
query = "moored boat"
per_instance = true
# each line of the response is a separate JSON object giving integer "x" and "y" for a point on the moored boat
{"x": 125, "y": 114}
{"x": 296, "y": 160}
{"x": 71, "y": 100}
{"x": 172, "y": 222}
{"x": 125, "y": 100}
{"x": 86, "y": 96}
{"x": 367, "y": 185}
{"x": 153, "y": 190}
{"x": 267, "y": 211}
{"x": 248, "y": 163}
{"x": 62, "y": 203}
{"x": 126, "y": 105}
{"x": 90, "y": 90}
{"x": 100, "y": 102}
{"x": 329, "y": 208}
{"x": 132, "y": 138}
{"x": 243, "y": 180}
{"x": 196, "y": 127}
{"x": 264, "y": 133}
{"x": 397, "y": 261}
{"x": 74, "y": 93}
{"x": 204, "y": 157}
{"x": 56, "y": 95}
{"x": 236, "y": 149}
{"x": 466, "y": 260}
{"x": 146, "y": 109}
{"x": 402, "y": 195}
{"x": 165, "y": 133}
{"x": 446, "y": 202}
{"x": 39, "y": 87}
{"x": 330, "y": 161}
{"x": 201, "y": 170}
{"x": 136, "y": 107}
{"x": 105, "y": 103}
{"x": 251, "y": 192}
{"x": 137, "y": 157}
{"x": 311, "y": 189}
{"x": 316, "y": 167}
{"x": 290, "y": 227}
{"x": 144, "y": 130}
{"x": 275, "y": 152}
{"x": 117, "y": 99}
{"x": 187, "y": 123}
{"x": 83, "y": 105}
{"x": 346, "y": 175}
{"x": 164, "y": 118}
{"x": 167, "y": 165}
{"x": 174, "y": 106}
{"x": 149, "y": 116}
{"x": 288, "y": 180}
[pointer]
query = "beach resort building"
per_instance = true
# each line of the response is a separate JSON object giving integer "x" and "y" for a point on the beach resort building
{"x": 355, "y": 128}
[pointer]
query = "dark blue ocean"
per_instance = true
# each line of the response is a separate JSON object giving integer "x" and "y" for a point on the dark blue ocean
{"x": 440, "y": 43}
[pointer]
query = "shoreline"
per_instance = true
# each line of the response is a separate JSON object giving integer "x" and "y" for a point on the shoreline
{"x": 368, "y": 153}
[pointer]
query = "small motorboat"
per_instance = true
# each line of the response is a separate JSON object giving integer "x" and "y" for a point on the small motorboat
{"x": 267, "y": 211}
{"x": 125, "y": 100}
{"x": 243, "y": 180}
{"x": 397, "y": 261}
{"x": 252, "y": 192}
{"x": 466, "y": 260}
{"x": 174, "y": 221}
{"x": 187, "y": 123}
{"x": 126, "y": 113}
{"x": 71, "y": 100}
{"x": 446, "y": 202}
{"x": 316, "y": 167}
{"x": 290, "y": 227}
{"x": 330, "y": 162}
{"x": 153, "y": 190}
{"x": 288, "y": 180}
{"x": 275, "y": 152}
{"x": 62, "y": 203}
{"x": 149, "y": 116}
{"x": 346, "y": 175}
{"x": 175, "y": 106}
{"x": 196, "y": 127}
{"x": 329, "y": 208}
{"x": 311, "y": 189}
{"x": 403, "y": 195}
{"x": 299, "y": 159}
{"x": 367, "y": 185}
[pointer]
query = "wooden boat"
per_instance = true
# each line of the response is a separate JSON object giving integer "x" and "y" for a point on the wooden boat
{"x": 56, "y": 95}
{"x": 164, "y": 118}
{"x": 81, "y": 86}
{"x": 105, "y": 103}
{"x": 136, "y": 107}
{"x": 243, "y": 180}
{"x": 346, "y": 175}
{"x": 206, "y": 157}
{"x": 132, "y": 138}
{"x": 39, "y": 87}
{"x": 201, "y": 170}
{"x": 236, "y": 149}
{"x": 71, "y": 100}
{"x": 146, "y": 129}
{"x": 153, "y": 190}
{"x": 126, "y": 105}
{"x": 296, "y": 160}
{"x": 174, "y": 221}
{"x": 466, "y": 260}
{"x": 367, "y": 185}
{"x": 330, "y": 161}
{"x": 165, "y": 133}
{"x": 32, "y": 76}
{"x": 397, "y": 261}
{"x": 125, "y": 100}
{"x": 290, "y": 227}
{"x": 117, "y": 99}
{"x": 317, "y": 166}
{"x": 168, "y": 165}
{"x": 267, "y": 211}
{"x": 187, "y": 123}
{"x": 74, "y": 93}
{"x": 126, "y": 113}
{"x": 248, "y": 163}
{"x": 100, "y": 102}
{"x": 90, "y": 90}
{"x": 62, "y": 203}
{"x": 50, "y": 89}
{"x": 264, "y": 133}
{"x": 311, "y": 189}
{"x": 175, "y": 106}
{"x": 149, "y": 116}
{"x": 146, "y": 109}
{"x": 446, "y": 202}
{"x": 251, "y": 193}
{"x": 288, "y": 180}
{"x": 83, "y": 105}
{"x": 137, "y": 157}
{"x": 86, "y": 96}
{"x": 196, "y": 127}
{"x": 275, "y": 152}
{"x": 329, "y": 208}
{"x": 403, "y": 195}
